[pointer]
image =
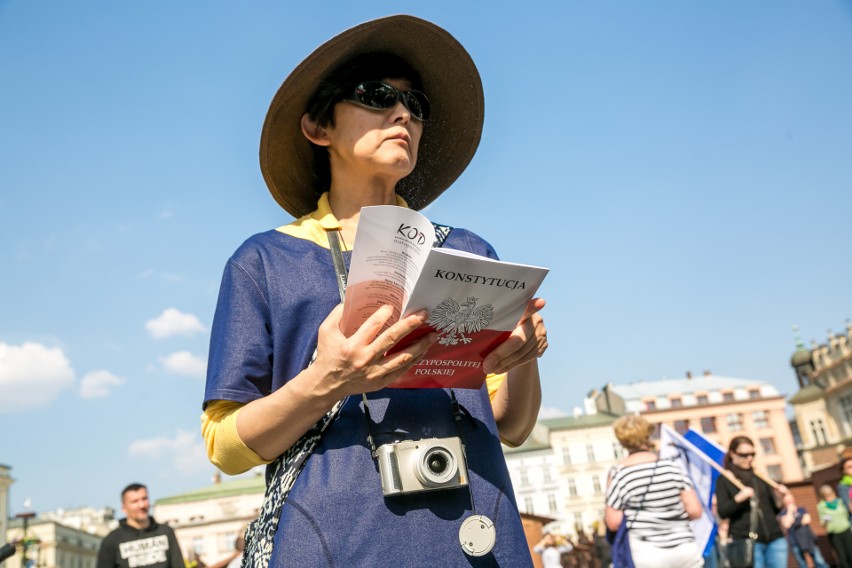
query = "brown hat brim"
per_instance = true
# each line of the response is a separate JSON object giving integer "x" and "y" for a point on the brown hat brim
{"x": 450, "y": 138}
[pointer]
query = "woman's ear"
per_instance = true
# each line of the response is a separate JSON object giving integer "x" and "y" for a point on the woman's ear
{"x": 314, "y": 132}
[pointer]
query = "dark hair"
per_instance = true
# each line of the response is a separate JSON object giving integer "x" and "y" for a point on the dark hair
{"x": 735, "y": 444}
{"x": 340, "y": 83}
{"x": 342, "y": 80}
{"x": 843, "y": 464}
{"x": 132, "y": 487}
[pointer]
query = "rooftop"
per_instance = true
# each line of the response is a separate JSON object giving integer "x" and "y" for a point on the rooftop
{"x": 229, "y": 488}
{"x": 704, "y": 383}
{"x": 578, "y": 422}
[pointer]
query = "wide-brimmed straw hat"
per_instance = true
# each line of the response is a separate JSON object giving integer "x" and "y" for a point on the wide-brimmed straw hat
{"x": 450, "y": 137}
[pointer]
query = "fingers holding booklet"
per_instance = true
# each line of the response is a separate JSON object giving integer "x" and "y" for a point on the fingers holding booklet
{"x": 527, "y": 342}
{"x": 479, "y": 307}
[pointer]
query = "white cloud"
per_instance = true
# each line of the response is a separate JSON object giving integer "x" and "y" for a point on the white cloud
{"x": 546, "y": 412}
{"x": 185, "y": 363}
{"x": 185, "y": 451}
{"x": 32, "y": 375}
{"x": 174, "y": 322}
{"x": 99, "y": 384}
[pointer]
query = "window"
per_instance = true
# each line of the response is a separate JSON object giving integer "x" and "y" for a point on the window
{"x": 676, "y": 403}
{"x": 760, "y": 419}
{"x": 596, "y": 483}
{"x": 650, "y": 405}
{"x": 681, "y": 426}
{"x": 227, "y": 541}
{"x": 768, "y": 446}
{"x": 735, "y": 422}
{"x": 572, "y": 487}
{"x": 818, "y": 432}
{"x": 655, "y": 435}
{"x": 551, "y": 503}
{"x": 548, "y": 478}
{"x": 702, "y": 399}
{"x": 616, "y": 450}
{"x": 198, "y": 545}
{"x": 774, "y": 472}
{"x": 528, "y": 504}
{"x": 797, "y": 436}
{"x": 754, "y": 393}
{"x": 590, "y": 453}
{"x": 566, "y": 456}
{"x": 846, "y": 410}
{"x": 525, "y": 479}
{"x": 708, "y": 425}
{"x": 728, "y": 396}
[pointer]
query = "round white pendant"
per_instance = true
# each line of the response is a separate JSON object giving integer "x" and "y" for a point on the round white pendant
{"x": 477, "y": 535}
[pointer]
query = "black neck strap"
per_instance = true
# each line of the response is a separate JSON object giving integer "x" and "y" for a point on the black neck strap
{"x": 334, "y": 243}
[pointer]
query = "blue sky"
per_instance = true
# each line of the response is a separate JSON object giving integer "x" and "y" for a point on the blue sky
{"x": 683, "y": 168}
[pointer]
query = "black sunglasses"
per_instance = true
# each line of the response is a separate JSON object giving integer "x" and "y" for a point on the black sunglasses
{"x": 381, "y": 96}
{"x": 749, "y": 455}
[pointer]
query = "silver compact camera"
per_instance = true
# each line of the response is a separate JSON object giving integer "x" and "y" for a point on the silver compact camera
{"x": 412, "y": 466}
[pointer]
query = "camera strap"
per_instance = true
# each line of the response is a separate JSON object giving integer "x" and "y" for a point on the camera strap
{"x": 477, "y": 534}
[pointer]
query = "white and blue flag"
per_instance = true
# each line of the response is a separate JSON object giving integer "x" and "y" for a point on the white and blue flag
{"x": 694, "y": 450}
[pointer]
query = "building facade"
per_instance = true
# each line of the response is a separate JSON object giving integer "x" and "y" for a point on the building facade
{"x": 719, "y": 407}
{"x": 6, "y": 482}
{"x": 561, "y": 470}
{"x": 53, "y": 545}
{"x": 207, "y": 521}
{"x": 586, "y": 449}
{"x": 822, "y": 408}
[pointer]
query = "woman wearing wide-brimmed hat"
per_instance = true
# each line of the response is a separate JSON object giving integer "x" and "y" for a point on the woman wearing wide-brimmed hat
{"x": 387, "y": 113}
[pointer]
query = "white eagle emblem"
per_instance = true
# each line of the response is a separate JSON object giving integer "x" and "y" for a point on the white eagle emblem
{"x": 452, "y": 321}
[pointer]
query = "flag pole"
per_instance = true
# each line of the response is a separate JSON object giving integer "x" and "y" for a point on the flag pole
{"x": 728, "y": 473}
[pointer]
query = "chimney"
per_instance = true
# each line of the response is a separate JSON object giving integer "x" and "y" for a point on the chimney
{"x": 217, "y": 478}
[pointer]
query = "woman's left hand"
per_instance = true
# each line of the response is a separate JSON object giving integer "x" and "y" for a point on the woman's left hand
{"x": 527, "y": 342}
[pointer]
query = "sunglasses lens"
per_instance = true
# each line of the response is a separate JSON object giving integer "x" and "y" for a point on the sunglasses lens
{"x": 418, "y": 104}
{"x": 378, "y": 95}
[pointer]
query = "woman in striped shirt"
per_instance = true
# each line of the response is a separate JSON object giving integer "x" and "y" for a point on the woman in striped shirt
{"x": 656, "y": 498}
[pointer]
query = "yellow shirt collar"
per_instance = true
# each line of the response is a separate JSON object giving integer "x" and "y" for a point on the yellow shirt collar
{"x": 313, "y": 226}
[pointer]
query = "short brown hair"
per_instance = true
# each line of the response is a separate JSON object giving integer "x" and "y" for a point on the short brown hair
{"x": 633, "y": 432}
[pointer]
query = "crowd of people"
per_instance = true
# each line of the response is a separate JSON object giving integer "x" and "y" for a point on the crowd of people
{"x": 759, "y": 522}
{"x": 581, "y": 551}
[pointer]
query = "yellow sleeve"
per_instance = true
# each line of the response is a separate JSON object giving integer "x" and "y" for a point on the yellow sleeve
{"x": 493, "y": 383}
{"x": 225, "y": 449}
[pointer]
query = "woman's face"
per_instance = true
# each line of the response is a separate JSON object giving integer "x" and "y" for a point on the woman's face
{"x": 847, "y": 467}
{"x": 743, "y": 456}
{"x": 374, "y": 142}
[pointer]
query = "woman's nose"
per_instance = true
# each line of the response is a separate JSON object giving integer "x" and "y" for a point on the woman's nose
{"x": 401, "y": 113}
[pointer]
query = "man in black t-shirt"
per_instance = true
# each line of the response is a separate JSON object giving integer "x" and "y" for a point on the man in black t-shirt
{"x": 139, "y": 541}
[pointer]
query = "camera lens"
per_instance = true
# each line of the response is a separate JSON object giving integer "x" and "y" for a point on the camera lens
{"x": 436, "y": 466}
{"x": 437, "y": 462}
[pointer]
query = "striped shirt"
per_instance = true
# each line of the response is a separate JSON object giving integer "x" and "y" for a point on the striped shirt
{"x": 649, "y": 495}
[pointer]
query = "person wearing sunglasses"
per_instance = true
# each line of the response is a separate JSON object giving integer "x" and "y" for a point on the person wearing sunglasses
{"x": 735, "y": 505}
{"x": 389, "y": 112}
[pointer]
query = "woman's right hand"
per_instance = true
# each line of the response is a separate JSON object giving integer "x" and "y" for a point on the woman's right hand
{"x": 358, "y": 364}
{"x": 745, "y": 494}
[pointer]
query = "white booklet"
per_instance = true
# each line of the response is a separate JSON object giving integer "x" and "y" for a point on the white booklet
{"x": 474, "y": 302}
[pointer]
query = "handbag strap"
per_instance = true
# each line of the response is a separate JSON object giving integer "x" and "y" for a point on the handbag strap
{"x": 754, "y": 511}
{"x": 645, "y": 494}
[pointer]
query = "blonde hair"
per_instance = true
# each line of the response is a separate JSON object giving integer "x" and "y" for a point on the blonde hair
{"x": 633, "y": 432}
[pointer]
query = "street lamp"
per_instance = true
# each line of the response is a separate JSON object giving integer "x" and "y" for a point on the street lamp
{"x": 25, "y": 541}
